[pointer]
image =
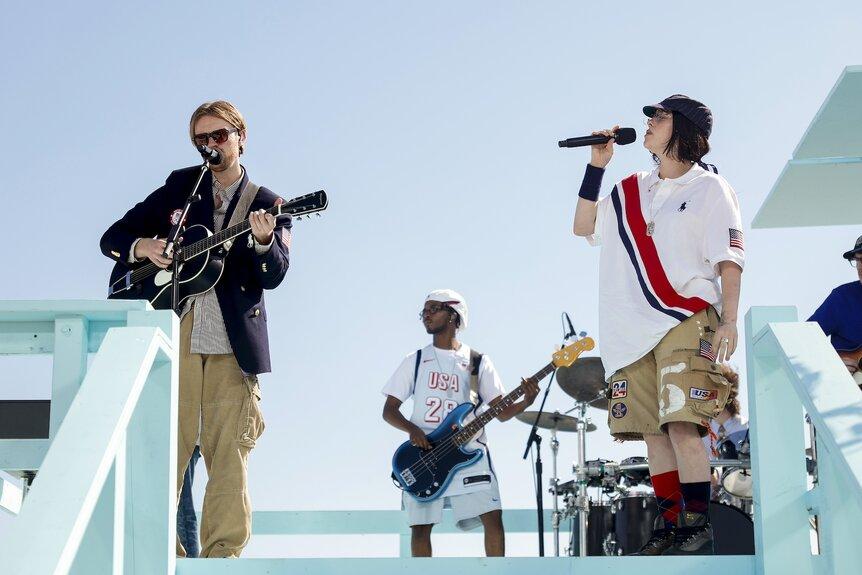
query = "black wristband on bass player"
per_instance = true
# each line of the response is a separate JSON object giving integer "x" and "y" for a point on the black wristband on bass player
{"x": 592, "y": 183}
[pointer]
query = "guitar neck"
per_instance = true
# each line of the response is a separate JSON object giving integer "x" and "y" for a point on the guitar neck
{"x": 221, "y": 237}
{"x": 481, "y": 421}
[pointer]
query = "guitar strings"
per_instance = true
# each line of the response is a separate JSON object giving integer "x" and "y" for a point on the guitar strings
{"x": 446, "y": 446}
{"x": 215, "y": 239}
{"x": 450, "y": 443}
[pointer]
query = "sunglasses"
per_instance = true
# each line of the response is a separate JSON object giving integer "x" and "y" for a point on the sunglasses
{"x": 220, "y": 136}
{"x": 432, "y": 309}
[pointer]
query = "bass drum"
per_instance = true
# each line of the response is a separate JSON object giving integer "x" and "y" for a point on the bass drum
{"x": 633, "y": 523}
{"x": 733, "y": 530}
{"x": 599, "y": 526}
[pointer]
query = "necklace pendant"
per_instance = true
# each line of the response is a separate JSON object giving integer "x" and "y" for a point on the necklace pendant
{"x": 650, "y": 228}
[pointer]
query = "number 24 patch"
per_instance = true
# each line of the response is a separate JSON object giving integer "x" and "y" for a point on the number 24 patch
{"x": 619, "y": 389}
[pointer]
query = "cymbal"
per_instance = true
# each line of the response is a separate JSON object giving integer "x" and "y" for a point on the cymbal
{"x": 554, "y": 420}
{"x": 585, "y": 381}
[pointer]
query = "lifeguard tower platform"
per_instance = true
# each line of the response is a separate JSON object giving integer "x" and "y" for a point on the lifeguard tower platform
{"x": 104, "y": 447}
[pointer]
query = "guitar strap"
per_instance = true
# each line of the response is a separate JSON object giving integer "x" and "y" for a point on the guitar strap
{"x": 240, "y": 212}
{"x": 475, "y": 360}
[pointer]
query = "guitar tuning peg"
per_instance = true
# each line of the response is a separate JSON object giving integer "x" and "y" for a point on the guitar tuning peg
{"x": 582, "y": 334}
{"x": 319, "y": 215}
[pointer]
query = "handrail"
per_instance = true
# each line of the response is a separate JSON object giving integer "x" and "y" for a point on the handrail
{"x": 791, "y": 367}
{"x": 103, "y": 498}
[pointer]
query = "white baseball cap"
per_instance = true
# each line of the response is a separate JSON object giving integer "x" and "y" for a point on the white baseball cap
{"x": 453, "y": 299}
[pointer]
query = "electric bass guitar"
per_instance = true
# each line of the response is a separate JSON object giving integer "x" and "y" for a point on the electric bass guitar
{"x": 425, "y": 473}
{"x": 201, "y": 264}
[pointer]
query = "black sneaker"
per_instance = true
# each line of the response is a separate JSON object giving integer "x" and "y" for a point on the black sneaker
{"x": 693, "y": 535}
{"x": 661, "y": 539}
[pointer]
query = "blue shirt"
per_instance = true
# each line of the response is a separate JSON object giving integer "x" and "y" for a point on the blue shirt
{"x": 840, "y": 316}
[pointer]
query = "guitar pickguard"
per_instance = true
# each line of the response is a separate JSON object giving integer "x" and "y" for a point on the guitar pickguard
{"x": 163, "y": 278}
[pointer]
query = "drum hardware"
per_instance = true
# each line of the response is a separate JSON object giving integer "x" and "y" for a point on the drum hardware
{"x": 555, "y": 421}
{"x": 584, "y": 381}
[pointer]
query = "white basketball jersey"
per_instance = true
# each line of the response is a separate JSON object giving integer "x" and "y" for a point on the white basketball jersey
{"x": 442, "y": 383}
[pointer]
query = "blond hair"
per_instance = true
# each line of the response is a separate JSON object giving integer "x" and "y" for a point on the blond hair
{"x": 220, "y": 109}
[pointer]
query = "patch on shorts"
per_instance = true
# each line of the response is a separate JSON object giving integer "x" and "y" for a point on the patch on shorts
{"x": 706, "y": 350}
{"x": 702, "y": 394}
{"x": 675, "y": 400}
{"x": 619, "y": 410}
{"x": 619, "y": 389}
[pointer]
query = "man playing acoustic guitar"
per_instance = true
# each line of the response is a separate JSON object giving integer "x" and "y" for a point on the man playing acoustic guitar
{"x": 224, "y": 342}
{"x": 438, "y": 378}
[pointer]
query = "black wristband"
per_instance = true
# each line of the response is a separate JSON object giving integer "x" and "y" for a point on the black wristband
{"x": 592, "y": 183}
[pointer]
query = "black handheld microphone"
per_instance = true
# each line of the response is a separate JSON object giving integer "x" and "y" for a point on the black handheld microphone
{"x": 210, "y": 155}
{"x": 622, "y": 137}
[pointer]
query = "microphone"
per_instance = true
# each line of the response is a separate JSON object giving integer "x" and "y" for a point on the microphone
{"x": 622, "y": 137}
{"x": 571, "y": 332}
{"x": 210, "y": 155}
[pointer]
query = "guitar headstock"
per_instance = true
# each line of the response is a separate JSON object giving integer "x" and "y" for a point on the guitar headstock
{"x": 569, "y": 354}
{"x": 307, "y": 204}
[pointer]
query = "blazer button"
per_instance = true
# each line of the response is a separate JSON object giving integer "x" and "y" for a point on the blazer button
{"x": 256, "y": 312}
{"x": 241, "y": 288}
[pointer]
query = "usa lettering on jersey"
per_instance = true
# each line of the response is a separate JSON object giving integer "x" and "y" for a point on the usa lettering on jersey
{"x": 437, "y": 407}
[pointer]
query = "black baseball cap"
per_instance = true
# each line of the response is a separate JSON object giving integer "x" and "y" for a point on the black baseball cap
{"x": 857, "y": 249}
{"x": 695, "y": 111}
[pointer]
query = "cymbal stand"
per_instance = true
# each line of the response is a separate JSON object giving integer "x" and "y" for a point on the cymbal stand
{"x": 555, "y": 482}
{"x": 582, "y": 503}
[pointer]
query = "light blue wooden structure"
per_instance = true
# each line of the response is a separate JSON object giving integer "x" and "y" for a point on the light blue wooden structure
{"x": 104, "y": 499}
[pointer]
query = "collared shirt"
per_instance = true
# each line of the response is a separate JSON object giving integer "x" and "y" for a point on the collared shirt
{"x": 209, "y": 334}
{"x": 652, "y": 277}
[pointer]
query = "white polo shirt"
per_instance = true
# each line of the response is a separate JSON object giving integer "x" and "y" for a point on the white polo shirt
{"x": 443, "y": 383}
{"x": 648, "y": 284}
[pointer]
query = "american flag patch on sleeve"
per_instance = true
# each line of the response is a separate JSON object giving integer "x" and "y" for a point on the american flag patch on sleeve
{"x": 706, "y": 350}
{"x": 736, "y": 238}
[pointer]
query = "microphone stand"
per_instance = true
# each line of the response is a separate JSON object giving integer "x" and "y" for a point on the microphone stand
{"x": 174, "y": 241}
{"x": 534, "y": 437}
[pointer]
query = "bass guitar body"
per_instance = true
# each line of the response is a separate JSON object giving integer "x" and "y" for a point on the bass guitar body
{"x": 426, "y": 473}
{"x": 197, "y": 275}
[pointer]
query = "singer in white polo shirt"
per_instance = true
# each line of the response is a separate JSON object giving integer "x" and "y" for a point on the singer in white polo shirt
{"x": 667, "y": 237}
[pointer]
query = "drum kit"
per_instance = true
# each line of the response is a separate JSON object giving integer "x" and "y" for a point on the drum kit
{"x": 618, "y": 518}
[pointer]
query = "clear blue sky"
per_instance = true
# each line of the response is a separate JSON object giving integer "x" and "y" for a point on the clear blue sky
{"x": 433, "y": 127}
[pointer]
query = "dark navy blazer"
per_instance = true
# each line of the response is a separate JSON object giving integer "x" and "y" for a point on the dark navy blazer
{"x": 246, "y": 274}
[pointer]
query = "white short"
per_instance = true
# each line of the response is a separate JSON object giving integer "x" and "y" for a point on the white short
{"x": 466, "y": 508}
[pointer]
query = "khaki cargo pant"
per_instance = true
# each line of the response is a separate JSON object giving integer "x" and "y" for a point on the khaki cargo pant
{"x": 674, "y": 382}
{"x": 221, "y": 406}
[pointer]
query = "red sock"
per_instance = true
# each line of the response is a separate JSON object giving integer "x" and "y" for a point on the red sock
{"x": 668, "y": 495}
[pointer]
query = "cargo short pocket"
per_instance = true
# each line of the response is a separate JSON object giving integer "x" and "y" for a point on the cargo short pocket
{"x": 251, "y": 423}
{"x": 691, "y": 388}
{"x": 707, "y": 389}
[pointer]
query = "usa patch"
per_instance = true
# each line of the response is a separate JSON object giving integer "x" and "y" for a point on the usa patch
{"x": 175, "y": 217}
{"x": 702, "y": 394}
{"x": 619, "y": 389}
{"x": 619, "y": 410}
{"x": 736, "y": 238}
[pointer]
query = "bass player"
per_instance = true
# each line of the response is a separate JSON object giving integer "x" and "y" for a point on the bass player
{"x": 438, "y": 378}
